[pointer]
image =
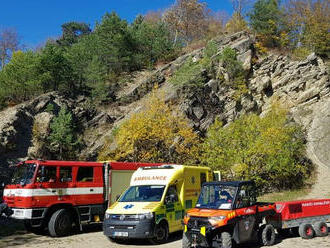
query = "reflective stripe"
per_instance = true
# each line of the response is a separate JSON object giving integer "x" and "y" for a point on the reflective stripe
{"x": 53, "y": 191}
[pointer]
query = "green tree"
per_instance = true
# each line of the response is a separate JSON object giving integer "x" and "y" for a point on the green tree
{"x": 56, "y": 69}
{"x": 71, "y": 31}
{"x": 19, "y": 79}
{"x": 268, "y": 150}
{"x": 62, "y": 139}
{"x": 265, "y": 19}
{"x": 115, "y": 42}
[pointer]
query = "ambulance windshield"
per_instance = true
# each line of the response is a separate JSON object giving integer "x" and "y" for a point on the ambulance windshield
{"x": 143, "y": 193}
{"x": 216, "y": 197}
{"x": 24, "y": 174}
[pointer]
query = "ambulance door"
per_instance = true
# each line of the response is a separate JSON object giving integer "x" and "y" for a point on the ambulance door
{"x": 174, "y": 210}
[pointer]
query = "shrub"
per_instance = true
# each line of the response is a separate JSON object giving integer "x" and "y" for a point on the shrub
{"x": 158, "y": 134}
{"x": 268, "y": 150}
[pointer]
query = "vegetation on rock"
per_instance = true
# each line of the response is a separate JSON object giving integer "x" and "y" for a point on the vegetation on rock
{"x": 269, "y": 150}
{"x": 158, "y": 134}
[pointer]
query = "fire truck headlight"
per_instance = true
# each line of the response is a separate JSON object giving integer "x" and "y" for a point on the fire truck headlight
{"x": 215, "y": 219}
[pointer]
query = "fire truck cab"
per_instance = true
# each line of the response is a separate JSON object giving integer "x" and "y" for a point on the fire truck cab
{"x": 58, "y": 194}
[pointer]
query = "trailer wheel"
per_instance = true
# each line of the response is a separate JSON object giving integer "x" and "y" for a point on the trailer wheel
{"x": 267, "y": 235}
{"x": 161, "y": 234}
{"x": 186, "y": 242}
{"x": 60, "y": 224}
{"x": 321, "y": 229}
{"x": 226, "y": 241}
{"x": 306, "y": 231}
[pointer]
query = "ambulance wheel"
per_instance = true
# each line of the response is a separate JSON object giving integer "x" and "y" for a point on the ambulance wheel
{"x": 226, "y": 241}
{"x": 306, "y": 231}
{"x": 321, "y": 229}
{"x": 267, "y": 233}
{"x": 161, "y": 234}
{"x": 186, "y": 243}
{"x": 60, "y": 224}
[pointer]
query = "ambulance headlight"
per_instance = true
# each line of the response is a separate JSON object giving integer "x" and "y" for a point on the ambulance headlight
{"x": 147, "y": 216}
{"x": 107, "y": 216}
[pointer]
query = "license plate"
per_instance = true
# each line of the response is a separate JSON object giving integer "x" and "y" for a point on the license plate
{"x": 120, "y": 234}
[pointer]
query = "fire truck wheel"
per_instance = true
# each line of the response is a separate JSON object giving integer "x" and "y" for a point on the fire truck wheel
{"x": 60, "y": 224}
{"x": 161, "y": 234}
{"x": 321, "y": 229}
{"x": 306, "y": 231}
{"x": 226, "y": 241}
{"x": 186, "y": 243}
{"x": 267, "y": 235}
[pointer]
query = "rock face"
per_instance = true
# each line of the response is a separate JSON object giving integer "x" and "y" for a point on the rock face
{"x": 303, "y": 86}
{"x": 23, "y": 126}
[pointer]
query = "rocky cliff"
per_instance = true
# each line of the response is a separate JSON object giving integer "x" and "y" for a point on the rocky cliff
{"x": 303, "y": 86}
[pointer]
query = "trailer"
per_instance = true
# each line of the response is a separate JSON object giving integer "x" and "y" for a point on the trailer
{"x": 306, "y": 217}
{"x": 228, "y": 212}
{"x": 54, "y": 195}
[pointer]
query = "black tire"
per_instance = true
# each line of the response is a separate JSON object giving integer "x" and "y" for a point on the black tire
{"x": 267, "y": 233}
{"x": 306, "y": 231}
{"x": 161, "y": 234}
{"x": 226, "y": 241}
{"x": 60, "y": 224}
{"x": 321, "y": 229}
{"x": 36, "y": 230}
{"x": 186, "y": 242}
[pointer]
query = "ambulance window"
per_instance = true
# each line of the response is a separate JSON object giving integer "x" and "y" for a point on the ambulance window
{"x": 171, "y": 195}
{"x": 46, "y": 174}
{"x": 203, "y": 178}
{"x": 85, "y": 174}
{"x": 65, "y": 174}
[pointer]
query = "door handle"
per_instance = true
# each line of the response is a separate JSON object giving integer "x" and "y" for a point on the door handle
{"x": 53, "y": 191}
{"x": 91, "y": 190}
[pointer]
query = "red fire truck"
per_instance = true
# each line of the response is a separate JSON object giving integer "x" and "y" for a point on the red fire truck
{"x": 58, "y": 194}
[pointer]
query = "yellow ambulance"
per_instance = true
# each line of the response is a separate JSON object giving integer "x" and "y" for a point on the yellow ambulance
{"x": 155, "y": 203}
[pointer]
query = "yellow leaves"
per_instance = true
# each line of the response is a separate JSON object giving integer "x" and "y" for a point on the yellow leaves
{"x": 157, "y": 134}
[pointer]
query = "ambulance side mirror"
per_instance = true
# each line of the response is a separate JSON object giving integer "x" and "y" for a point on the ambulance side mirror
{"x": 217, "y": 176}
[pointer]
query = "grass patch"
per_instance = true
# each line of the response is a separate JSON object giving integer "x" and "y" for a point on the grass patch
{"x": 288, "y": 195}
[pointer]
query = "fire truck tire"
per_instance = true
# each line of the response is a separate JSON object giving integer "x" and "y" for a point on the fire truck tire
{"x": 306, "y": 231}
{"x": 60, "y": 224}
{"x": 226, "y": 241}
{"x": 267, "y": 235}
{"x": 186, "y": 243}
{"x": 321, "y": 229}
{"x": 161, "y": 234}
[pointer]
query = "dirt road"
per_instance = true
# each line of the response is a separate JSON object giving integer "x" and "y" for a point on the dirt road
{"x": 94, "y": 238}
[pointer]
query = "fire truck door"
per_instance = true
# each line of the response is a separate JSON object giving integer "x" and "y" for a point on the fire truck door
{"x": 46, "y": 184}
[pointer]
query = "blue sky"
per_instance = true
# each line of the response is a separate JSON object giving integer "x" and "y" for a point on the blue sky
{"x": 37, "y": 20}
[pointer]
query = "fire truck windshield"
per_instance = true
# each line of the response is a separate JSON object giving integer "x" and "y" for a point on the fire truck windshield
{"x": 145, "y": 193}
{"x": 24, "y": 174}
{"x": 216, "y": 197}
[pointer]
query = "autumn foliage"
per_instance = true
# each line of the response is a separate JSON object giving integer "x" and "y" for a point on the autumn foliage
{"x": 157, "y": 134}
